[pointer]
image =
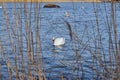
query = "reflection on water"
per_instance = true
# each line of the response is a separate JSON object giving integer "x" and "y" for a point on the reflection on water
{"x": 57, "y": 49}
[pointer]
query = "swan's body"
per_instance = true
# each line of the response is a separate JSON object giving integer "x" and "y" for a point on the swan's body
{"x": 58, "y": 41}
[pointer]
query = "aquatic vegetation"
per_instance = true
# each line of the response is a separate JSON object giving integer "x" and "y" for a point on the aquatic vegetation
{"x": 91, "y": 50}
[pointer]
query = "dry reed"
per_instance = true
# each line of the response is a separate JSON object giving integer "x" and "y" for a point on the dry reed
{"x": 24, "y": 40}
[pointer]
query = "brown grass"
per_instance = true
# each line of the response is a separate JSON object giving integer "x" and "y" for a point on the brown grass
{"x": 32, "y": 40}
{"x": 50, "y": 1}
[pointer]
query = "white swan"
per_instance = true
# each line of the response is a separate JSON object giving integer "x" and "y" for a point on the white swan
{"x": 67, "y": 14}
{"x": 58, "y": 41}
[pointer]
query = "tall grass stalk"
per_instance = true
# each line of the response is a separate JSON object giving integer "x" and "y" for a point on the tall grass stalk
{"x": 25, "y": 44}
{"x": 24, "y": 32}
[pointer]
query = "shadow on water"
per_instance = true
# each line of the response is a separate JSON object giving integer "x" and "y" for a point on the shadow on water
{"x": 57, "y": 49}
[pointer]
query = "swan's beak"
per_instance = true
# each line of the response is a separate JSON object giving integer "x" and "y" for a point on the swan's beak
{"x": 53, "y": 40}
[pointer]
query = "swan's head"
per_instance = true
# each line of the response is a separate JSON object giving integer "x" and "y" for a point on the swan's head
{"x": 53, "y": 39}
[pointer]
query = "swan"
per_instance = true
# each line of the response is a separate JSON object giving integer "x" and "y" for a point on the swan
{"x": 67, "y": 14}
{"x": 58, "y": 41}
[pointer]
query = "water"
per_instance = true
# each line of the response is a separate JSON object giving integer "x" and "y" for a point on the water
{"x": 73, "y": 60}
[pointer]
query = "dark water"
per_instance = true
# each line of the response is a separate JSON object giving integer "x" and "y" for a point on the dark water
{"x": 73, "y": 60}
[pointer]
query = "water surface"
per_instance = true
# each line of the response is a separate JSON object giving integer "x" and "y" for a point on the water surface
{"x": 73, "y": 61}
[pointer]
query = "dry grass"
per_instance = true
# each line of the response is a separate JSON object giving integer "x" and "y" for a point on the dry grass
{"x": 50, "y": 1}
{"x": 15, "y": 35}
{"x": 22, "y": 40}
